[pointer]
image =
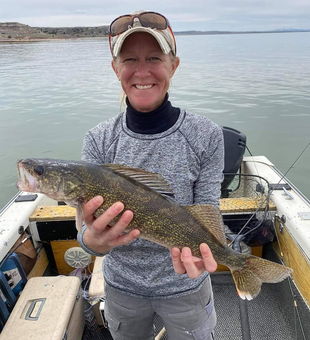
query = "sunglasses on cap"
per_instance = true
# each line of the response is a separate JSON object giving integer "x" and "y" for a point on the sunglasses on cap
{"x": 147, "y": 19}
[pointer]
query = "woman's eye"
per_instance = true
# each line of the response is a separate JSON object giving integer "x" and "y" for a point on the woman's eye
{"x": 129, "y": 60}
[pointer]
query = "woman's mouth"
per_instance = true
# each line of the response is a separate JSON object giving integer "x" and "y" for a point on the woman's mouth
{"x": 144, "y": 87}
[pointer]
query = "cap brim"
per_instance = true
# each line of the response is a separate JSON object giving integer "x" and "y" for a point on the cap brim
{"x": 158, "y": 35}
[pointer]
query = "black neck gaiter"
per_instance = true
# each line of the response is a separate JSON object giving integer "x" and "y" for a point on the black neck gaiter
{"x": 157, "y": 121}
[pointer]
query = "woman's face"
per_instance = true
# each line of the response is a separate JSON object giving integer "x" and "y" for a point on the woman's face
{"x": 144, "y": 71}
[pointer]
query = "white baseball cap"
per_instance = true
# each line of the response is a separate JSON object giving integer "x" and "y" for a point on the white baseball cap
{"x": 142, "y": 21}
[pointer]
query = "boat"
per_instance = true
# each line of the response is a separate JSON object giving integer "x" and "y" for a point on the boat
{"x": 265, "y": 214}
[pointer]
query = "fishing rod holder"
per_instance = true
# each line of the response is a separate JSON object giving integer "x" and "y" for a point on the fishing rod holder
{"x": 281, "y": 220}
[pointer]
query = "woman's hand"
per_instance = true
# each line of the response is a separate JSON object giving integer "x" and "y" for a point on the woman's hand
{"x": 99, "y": 235}
{"x": 184, "y": 262}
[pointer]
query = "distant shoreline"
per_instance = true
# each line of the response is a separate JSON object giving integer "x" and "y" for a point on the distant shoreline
{"x": 30, "y": 40}
{"x": 236, "y": 32}
{"x": 14, "y": 32}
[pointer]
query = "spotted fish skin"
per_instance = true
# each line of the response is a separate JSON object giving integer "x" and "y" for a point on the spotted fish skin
{"x": 158, "y": 217}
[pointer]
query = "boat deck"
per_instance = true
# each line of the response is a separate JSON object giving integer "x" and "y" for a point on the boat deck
{"x": 273, "y": 314}
{"x": 278, "y": 312}
{"x": 266, "y": 313}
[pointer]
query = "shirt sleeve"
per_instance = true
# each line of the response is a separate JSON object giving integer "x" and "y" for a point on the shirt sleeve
{"x": 90, "y": 149}
{"x": 207, "y": 188}
{"x": 84, "y": 246}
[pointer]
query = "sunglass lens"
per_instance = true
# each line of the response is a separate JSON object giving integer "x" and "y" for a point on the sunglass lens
{"x": 153, "y": 20}
{"x": 120, "y": 25}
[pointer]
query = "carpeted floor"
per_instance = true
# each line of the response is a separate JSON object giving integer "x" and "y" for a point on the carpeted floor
{"x": 277, "y": 313}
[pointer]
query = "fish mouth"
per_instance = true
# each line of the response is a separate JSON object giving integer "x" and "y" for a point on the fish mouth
{"x": 26, "y": 181}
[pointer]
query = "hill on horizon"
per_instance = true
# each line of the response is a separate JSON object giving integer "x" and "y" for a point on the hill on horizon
{"x": 15, "y": 31}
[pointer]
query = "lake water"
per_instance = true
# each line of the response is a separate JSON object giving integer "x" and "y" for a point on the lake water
{"x": 52, "y": 92}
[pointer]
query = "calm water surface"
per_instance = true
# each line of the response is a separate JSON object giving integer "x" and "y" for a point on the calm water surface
{"x": 51, "y": 93}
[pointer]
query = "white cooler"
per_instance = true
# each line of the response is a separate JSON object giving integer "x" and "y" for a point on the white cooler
{"x": 49, "y": 308}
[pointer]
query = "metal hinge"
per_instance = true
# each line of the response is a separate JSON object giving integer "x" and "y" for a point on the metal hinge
{"x": 305, "y": 215}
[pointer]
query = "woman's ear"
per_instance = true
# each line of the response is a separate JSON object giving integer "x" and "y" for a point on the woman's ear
{"x": 113, "y": 64}
{"x": 175, "y": 65}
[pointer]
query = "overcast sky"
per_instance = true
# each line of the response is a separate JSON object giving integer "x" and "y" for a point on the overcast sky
{"x": 234, "y": 15}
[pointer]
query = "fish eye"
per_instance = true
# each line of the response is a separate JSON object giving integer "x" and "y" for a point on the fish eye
{"x": 39, "y": 169}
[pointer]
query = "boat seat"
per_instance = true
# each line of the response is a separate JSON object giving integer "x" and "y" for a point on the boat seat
{"x": 12, "y": 282}
{"x": 234, "y": 145}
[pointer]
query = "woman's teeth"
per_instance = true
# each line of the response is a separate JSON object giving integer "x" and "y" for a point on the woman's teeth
{"x": 143, "y": 87}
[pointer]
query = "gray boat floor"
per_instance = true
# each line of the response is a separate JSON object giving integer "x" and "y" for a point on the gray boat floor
{"x": 272, "y": 314}
{"x": 268, "y": 317}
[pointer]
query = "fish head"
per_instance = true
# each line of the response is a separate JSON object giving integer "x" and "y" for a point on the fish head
{"x": 57, "y": 179}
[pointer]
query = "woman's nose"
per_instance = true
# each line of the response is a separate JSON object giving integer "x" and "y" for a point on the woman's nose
{"x": 142, "y": 69}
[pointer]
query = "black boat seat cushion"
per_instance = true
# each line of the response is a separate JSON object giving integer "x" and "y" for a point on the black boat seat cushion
{"x": 234, "y": 144}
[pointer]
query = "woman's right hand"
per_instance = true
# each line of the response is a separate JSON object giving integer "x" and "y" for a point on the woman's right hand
{"x": 99, "y": 235}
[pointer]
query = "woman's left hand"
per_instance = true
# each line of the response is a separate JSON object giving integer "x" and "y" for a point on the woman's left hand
{"x": 184, "y": 262}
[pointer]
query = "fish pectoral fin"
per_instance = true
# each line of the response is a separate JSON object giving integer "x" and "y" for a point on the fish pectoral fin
{"x": 150, "y": 179}
{"x": 211, "y": 218}
{"x": 79, "y": 218}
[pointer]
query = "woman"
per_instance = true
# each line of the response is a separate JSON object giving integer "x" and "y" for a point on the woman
{"x": 143, "y": 278}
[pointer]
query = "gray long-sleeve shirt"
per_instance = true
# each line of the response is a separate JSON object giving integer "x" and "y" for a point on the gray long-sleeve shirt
{"x": 190, "y": 155}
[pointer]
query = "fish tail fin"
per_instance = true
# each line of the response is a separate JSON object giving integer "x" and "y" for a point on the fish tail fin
{"x": 248, "y": 280}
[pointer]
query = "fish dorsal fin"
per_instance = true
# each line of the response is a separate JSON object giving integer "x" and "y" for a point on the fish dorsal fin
{"x": 150, "y": 179}
{"x": 210, "y": 217}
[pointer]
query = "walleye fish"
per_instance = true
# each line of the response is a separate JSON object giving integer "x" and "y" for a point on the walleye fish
{"x": 158, "y": 217}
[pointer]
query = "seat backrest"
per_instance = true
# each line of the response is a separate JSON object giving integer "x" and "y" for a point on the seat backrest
{"x": 234, "y": 144}
{"x": 4, "y": 314}
{"x": 14, "y": 271}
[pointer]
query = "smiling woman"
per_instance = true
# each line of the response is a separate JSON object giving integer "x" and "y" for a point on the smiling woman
{"x": 184, "y": 148}
{"x": 144, "y": 71}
